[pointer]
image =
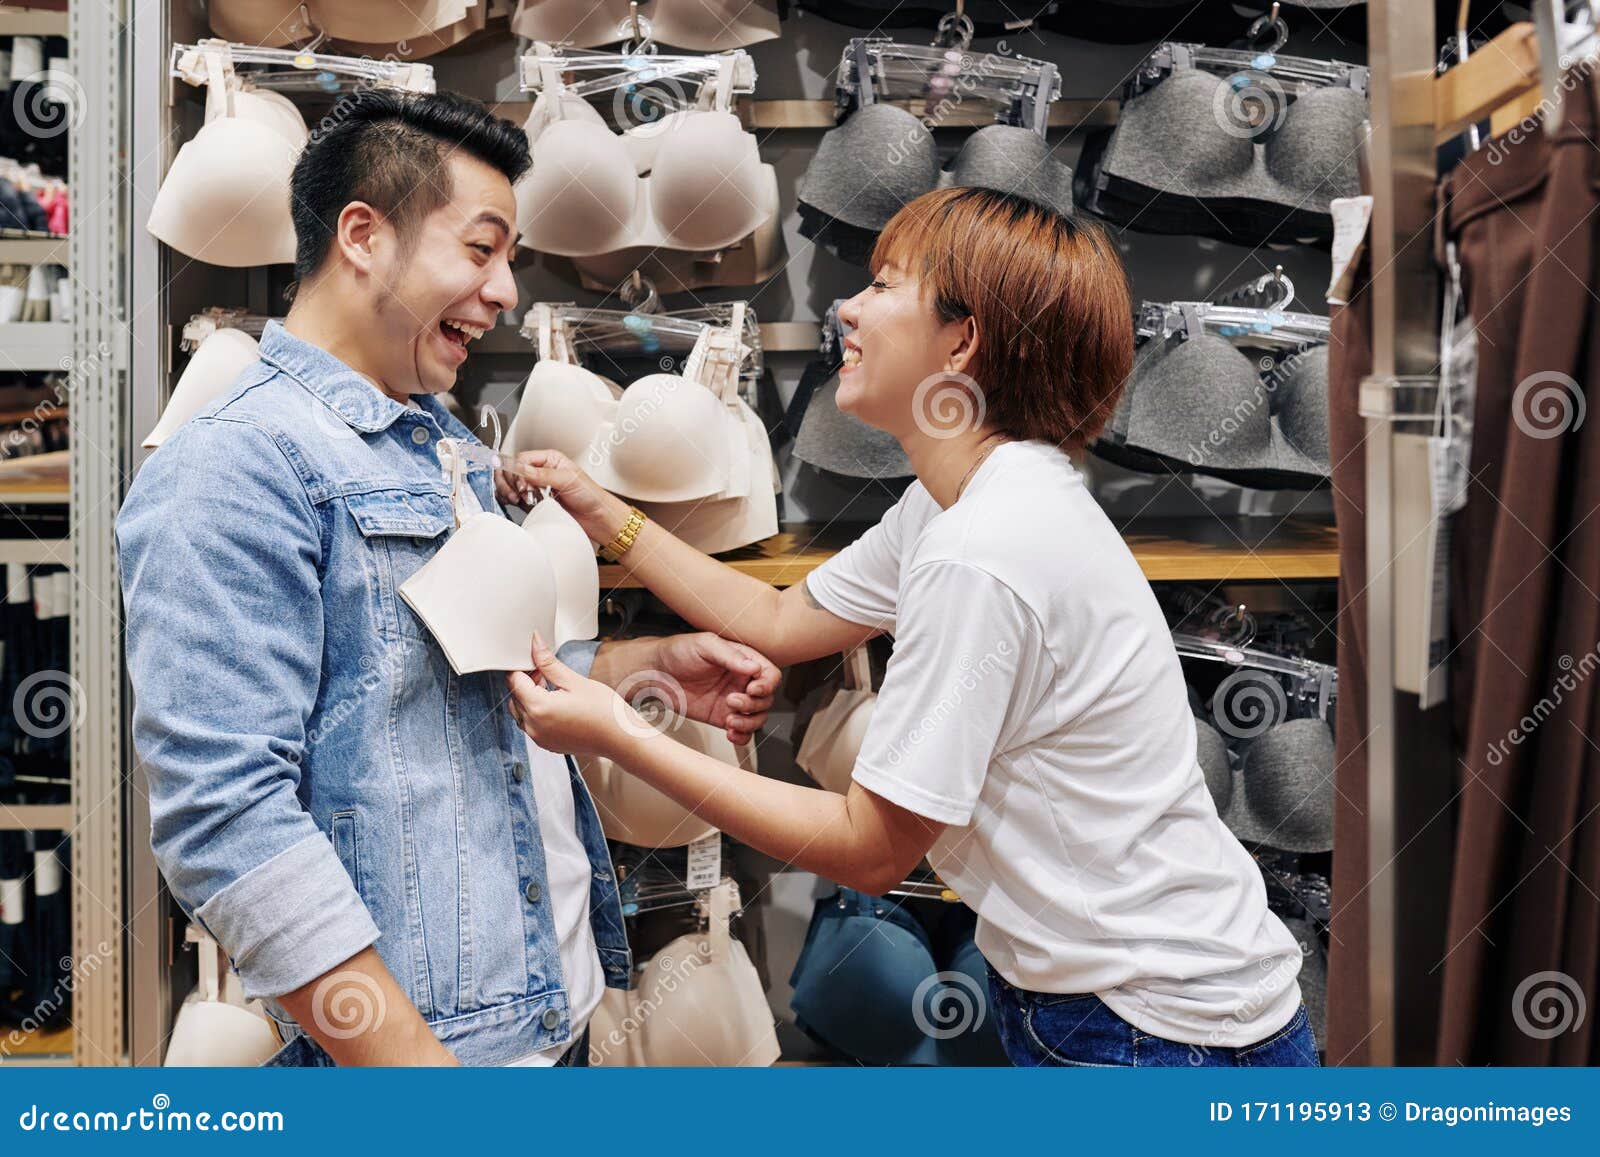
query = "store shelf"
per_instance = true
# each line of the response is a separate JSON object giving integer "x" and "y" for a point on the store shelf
{"x": 36, "y": 550}
{"x": 18, "y": 21}
{"x": 40, "y": 478}
{"x": 35, "y": 817}
{"x": 35, "y": 1048}
{"x": 1168, "y": 550}
{"x": 1069, "y": 114}
{"x": 33, "y": 250}
{"x": 35, "y": 345}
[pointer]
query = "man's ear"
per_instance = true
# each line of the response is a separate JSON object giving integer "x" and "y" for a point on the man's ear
{"x": 359, "y": 227}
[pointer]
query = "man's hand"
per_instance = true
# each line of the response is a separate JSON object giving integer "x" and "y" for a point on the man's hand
{"x": 702, "y": 676}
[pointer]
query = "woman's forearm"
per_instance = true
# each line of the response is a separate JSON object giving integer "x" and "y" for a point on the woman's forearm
{"x": 812, "y": 829}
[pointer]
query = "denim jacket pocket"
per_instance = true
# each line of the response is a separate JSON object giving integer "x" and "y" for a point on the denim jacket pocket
{"x": 402, "y": 531}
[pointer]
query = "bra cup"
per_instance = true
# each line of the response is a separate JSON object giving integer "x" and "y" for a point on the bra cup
{"x": 671, "y": 441}
{"x": 706, "y": 184}
{"x": 847, "y": 179}
{"x": 1301, "y": 405}
{"x": 833, "y": 739}
{"x": 567, "y": 549}
{"x": 484, "y": 594}
{"x": 274, "y": 110}
{"x": 709, "y": 1012}
{"x": 225, "y": 200}
{"x": 586, "y": 23}
{"x": 709, "y": 27}
{"x": 613, "y": 1031}
{"x": 562, "y": 405}
{"x": 1179, "y": 119}
{"x": 1218, "y": 390}
{"x": 1013, "y": 160}
{"x": 213, "y": 368}
{"x": 636, "y": 813}
{"x": 581, "y": 193}
{"x": 385, "y": 21}
{"x": 265, "y": 23}
{"x": 1315, "y": 149}
{"x": 644, "y": 142}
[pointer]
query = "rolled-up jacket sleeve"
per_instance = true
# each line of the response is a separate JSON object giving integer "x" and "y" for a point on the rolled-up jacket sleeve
{"x": 220, "y": 550}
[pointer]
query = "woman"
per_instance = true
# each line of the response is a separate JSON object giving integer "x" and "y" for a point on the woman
{"x": 1032, "y": 737}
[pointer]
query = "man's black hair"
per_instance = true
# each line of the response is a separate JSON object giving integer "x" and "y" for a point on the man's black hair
{"x": 391, "y": 149}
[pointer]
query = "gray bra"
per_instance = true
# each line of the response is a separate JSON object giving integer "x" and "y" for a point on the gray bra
{"x": 870, "y": 166}
{"x": 1180, "y": 137}
{"x": 1201, "y": 405}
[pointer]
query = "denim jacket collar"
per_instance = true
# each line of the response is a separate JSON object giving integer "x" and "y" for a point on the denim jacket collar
{"x": 346, "y": 392}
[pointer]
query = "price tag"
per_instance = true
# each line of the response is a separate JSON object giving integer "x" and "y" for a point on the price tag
{"x": 705, "y": 862}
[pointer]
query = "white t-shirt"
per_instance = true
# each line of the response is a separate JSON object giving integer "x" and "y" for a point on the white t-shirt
{"x": 1035, "y": 705}
{"x": 567, "y": 873}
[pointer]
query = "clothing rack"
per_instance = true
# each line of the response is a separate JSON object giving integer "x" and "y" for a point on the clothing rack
{"x": 1409, "y": 764}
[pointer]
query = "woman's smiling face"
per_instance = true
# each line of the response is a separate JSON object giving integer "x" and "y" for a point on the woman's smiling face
{"x": 896, "y": 343}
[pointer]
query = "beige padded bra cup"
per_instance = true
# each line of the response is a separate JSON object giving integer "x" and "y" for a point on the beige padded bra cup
{"x": 493, "y": 584}
{"x": 213, "y": 368}
{"x": 276, "y": 23}
{"x": 636, "y": 813}
{"x": 587, "y": 192}
{"x": 225, "y": 200}
{"x": 700, "y": 25}
{"x": 833, "y": 738}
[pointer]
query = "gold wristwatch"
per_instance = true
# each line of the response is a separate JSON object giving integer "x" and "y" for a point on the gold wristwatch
{"x": 619, "y": 546}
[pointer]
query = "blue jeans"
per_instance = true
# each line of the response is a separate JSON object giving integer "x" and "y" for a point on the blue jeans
{"x": 1044, "y": 1028}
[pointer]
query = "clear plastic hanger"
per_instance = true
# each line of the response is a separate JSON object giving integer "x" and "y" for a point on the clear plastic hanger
{"x": 1304, "y": 680}
{"x": 1290, "y": 74}
{"x": 1564, "y": 43}
{"x": 294, "y": 70}
{"x": 873, "y": 69}
{"x": 718, "y": 78}
{"x": 205, "y": 323}
{"x": 1273, "y": 326}
{"x": 924, "y": 884}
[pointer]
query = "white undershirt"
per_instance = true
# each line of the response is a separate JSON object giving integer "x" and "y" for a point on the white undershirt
{"x": 567, "y": 877}
{"x": 1034, "y": 704}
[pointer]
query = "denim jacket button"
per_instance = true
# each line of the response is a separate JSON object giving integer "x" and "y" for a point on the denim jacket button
{"x": 518, "y": 771}
{"x": 420, "y": 436}
{"x": 551, "y": 1018}
{"x": 533, "y": 892}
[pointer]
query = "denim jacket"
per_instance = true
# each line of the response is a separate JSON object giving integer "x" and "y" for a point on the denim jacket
{"x": 320, "y": 780}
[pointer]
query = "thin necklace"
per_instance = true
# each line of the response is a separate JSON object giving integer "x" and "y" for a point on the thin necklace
{"x": 967, "y": 477}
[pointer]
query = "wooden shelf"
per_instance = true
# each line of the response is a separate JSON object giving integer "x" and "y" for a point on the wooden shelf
{"x": 41, "y": 478}
{"x": 33, "y": 251}
{"x": 35, "y": 1047}
{"x": 35, "y": 817}
{"x": 16, "y": 20}
{"x": 1503, "y": 72}
{"x": 1168, "y": 550}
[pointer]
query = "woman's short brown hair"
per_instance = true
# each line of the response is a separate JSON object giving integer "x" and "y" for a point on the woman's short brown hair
{"x": 1049, "y": 298}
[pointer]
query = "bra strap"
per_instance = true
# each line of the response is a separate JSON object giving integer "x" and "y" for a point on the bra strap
{"x": 463, "y": 502}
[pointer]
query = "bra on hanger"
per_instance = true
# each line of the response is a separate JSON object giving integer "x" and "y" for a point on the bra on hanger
{"x": 225, "y": 200}
{"x": 692, "y": 180}
{"x": 493, "y": 584}
{"x": 824, "y": 435}
{"x": 833, "y": 738}
{"x": 278, "y": 23}
{"x": 699, "y": 25}
{"x": 216, "y": 363}
{"x": 635, "y": 813}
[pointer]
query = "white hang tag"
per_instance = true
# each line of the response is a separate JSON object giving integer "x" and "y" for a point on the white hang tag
{"x": 46, "y": 874}
{"x": 1351, "y": 216}
{"x": 705, "y": 862}
{"x": 1435, "y": 633}
{"x": 11, "y": 901}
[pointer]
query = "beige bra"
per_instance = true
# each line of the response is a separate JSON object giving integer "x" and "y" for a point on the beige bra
{"x": 214, "y": 366}
{"x": 494, "y": 584}
{"x": 692, "y": 180}
{"x": 276, "y": 23}
{"x": 699, "y": 25}
{"x": 225, "y": 200}
{"x": 833, "y": 738}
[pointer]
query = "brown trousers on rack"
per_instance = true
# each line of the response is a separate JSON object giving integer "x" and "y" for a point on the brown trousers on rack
{"x": 1523, "y": 943}
{"x": 1522, "y": 951}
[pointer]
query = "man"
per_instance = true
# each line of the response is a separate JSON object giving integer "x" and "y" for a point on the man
{"x": 385, "y": 858}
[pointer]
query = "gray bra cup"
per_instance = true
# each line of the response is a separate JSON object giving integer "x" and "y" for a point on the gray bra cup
{"x": 1314, "y": 151}
{"x": 1300, "y": 404}
{"x": 867, "y": 169}
{"x": 1202, "y": 395}
{"x": 1016, "y": 160}
{"x": 1172, "y": 137}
